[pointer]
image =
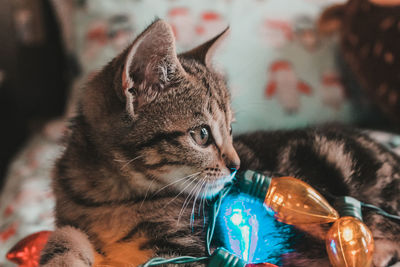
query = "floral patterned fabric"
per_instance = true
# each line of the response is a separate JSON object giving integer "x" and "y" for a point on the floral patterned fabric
{"x": 27, "y": 202}
{"x": 281, "y": 72}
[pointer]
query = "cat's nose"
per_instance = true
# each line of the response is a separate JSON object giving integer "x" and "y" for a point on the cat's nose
{"x": 231, "y": 159}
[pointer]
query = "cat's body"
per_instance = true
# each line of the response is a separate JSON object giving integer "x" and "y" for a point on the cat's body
{"x": 153, "y": 138}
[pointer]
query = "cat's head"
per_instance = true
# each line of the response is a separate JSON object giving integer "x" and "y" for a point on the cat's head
{"x": 165, "y": 118}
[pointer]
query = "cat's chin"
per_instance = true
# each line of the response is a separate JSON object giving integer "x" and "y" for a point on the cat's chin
{"x": 212, "y": 191}
{"x": 213, "y": 188}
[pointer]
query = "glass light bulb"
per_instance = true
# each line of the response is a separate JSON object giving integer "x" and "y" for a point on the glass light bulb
{"x": 295, "y": 202}
{"x": 349, "y": 243}
{"x": 248, "y": 231}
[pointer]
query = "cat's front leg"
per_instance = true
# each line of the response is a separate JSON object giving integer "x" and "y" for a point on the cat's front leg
{"x": 67, "y": 247}
{"x": 182, "y": 243}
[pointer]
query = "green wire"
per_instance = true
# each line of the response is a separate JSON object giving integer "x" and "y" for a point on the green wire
{"x": 380, "y": 211}
{"x": 177, "y": 260}
{"x": 366, "y": 205}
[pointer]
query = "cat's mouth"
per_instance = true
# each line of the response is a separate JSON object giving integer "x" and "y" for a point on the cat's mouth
{"x": 204, "y": 184}
{"x": 212, "y": 188}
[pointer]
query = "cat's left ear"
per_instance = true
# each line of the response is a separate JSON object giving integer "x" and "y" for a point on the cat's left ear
{"x": 205, "y": 52}
{"x": 150, "y": 65}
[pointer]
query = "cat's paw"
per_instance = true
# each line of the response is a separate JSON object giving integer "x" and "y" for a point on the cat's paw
{"x": 67, "y": 246}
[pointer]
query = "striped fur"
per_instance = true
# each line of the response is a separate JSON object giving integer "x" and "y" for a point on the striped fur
{"x": 132, "y": 176}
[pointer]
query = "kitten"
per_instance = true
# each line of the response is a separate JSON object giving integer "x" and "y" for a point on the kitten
{"x": 153, "y": 128}
{"x": 153, "y": 137}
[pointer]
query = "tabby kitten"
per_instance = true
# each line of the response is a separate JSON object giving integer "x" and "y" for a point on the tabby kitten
{"x": 153, "y": 137}
{"x": 153, "y": 128}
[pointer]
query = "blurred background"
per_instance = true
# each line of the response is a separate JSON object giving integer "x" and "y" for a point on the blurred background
{"x": 34, "y": 72}
{"x": 289, "y": 64}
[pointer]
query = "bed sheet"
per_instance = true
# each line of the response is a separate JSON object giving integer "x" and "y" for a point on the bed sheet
{"x": 27, "y": 202}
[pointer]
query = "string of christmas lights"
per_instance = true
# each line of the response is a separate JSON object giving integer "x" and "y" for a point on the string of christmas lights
{"x": 349, "y": 242}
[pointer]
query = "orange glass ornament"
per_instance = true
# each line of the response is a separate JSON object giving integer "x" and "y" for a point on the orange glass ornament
{"x": 349, "y": 242}
{"x": 292, "y": 200}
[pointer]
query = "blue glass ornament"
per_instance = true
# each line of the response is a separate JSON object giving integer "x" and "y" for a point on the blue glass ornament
{"x": 247, "y": 229}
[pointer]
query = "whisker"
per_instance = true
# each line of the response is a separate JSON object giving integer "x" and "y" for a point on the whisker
{"x": 190, "y": 179}
{"x": 130, "y": 161}
{"x": 147, "y": 192}
{"x": 202, "y": 195}
{"x": 201, "y": 199}
{"x": 194, "y": 203}
{"x": 187, "y": 204}
{"x": 204, "y": 204}
{"x": 174, "y": 182}
{"x": 187, "y": 201}
{"x": 202, "y": 190}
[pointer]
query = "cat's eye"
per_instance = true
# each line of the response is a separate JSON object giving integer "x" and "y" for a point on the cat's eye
{"x": 230, "y": 129}
{"x": 201, "y": 135}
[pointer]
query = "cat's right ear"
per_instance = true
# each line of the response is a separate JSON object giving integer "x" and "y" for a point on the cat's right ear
{"x": 205, "y": 52}
{"x": 150, "y": 65}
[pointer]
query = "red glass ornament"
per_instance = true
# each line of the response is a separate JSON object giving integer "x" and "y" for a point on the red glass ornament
{"x": 26, "y": 253}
